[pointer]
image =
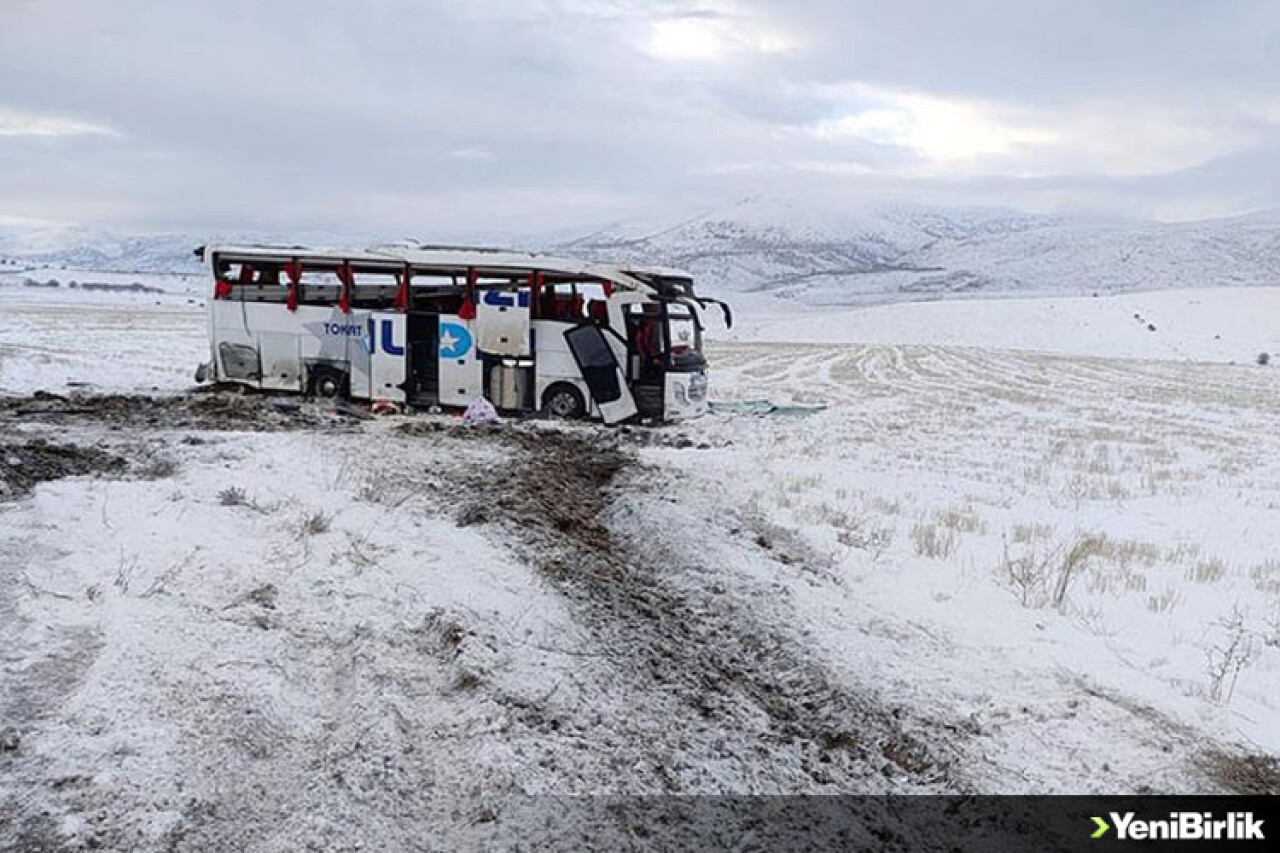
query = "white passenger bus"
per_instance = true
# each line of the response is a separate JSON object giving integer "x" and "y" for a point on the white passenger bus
{"x": 433, "y": 326}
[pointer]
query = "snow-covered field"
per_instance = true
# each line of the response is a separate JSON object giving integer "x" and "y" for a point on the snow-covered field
{"x": 1218, "y": 324}
{"x": 1079, "y": 554}
{"x": 101, "y": 340}
{"x": 978, "y": 569}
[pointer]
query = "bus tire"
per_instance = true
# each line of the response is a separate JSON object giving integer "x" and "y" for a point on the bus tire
{"x": 328, "y": 383}
{"x": 563, "y": 401}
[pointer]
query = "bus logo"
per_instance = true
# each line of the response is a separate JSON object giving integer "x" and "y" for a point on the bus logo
{"x": 343, "y": 330}
{"x": 455, "y": 340}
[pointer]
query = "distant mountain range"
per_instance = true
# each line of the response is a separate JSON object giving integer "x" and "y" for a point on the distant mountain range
{"x": 888, "y": 254}
{"x": 94, "y": 249}
{"x": 819, "y": 256}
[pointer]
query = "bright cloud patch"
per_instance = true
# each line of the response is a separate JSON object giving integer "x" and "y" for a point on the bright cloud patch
{"x": 937, "y": 129}
{"x": 697, "y": 38}
{"x": 13, "y": 123}
{"x": 1113, "y": 138}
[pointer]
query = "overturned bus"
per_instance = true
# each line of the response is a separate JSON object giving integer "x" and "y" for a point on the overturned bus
{"x": 429, "y": 326}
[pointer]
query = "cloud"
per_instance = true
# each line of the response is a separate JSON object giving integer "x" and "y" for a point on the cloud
{"x": 471, "y": 153}
{"x": 14, "y": 123}
{"x": 410, "y": 116}
{"x": 941, "y": 131}
{"x": 965, "y": 136}
{"x": 713, "y": 37}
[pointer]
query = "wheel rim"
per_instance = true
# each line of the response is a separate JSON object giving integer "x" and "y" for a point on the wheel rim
{"x": 563, "y": 405}
{"x": 328, "y": 387}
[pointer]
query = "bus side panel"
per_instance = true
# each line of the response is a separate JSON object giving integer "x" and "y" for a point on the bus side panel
{"x": 460, "y": 365}
{"x": 274, "y": 331}
{"x": 290, "y": 343}
{"x": 356, "y": 353}
{"x": 554, "y": 362}
{"x": 388, "y": 362}
{"x": 281, "y": 369}
{"x": 235, "y": 350}
{"x": 502, "y": 323}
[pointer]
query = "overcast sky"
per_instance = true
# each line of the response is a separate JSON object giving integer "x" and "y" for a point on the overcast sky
{"x": 413, "y": 116}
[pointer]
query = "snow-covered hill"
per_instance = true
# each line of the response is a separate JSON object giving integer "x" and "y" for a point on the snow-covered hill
{"x": 815, "y": 254}
{"x": 97, "y": 249}
{"x": 862, "y": 256}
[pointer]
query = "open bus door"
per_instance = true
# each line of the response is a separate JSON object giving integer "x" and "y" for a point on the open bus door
{"x": 602, "y": 373}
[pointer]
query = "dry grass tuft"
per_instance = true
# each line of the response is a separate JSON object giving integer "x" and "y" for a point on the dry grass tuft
{"x": 1242, "y": 773}
{"x": 1207, "y": 571}
{"x": 315, "y": 524}
{"x": 1041, "y": 573}
{"x": 929, "y": 540}
{"x": 233, "y": 496}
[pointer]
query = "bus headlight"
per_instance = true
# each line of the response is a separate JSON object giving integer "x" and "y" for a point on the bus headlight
{"x": 698, "y": 387}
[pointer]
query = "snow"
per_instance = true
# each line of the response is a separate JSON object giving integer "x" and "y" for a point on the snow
{"x": 1004, "y": 456}
{"x": 228, "y": 646}
{"x": 56, "y": 339}
{"x": 295, "y": 633}
{"x": 1218, "y": 324}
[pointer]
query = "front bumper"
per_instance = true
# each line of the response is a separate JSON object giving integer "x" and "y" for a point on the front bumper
{"x": 685, "y": 396}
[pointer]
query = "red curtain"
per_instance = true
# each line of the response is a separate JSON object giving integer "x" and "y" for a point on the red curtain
{"x": 346, "y": 276}
{"x": 294, "y": 269}
{"x": 402, "y": 290}
{"x": 468, "y": 309}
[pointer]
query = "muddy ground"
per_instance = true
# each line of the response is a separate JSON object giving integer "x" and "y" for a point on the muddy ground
{"x": 23, "y": 464}
{"x": 202, "y": 410}
{"x": 704, "y": 656}
{"x": 699, "y": 644}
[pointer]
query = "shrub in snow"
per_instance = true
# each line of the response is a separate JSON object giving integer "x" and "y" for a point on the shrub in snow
{"x": 233, "y": 496}
{"x": 1226, "y": 660}
{"x": 1264, "y": 358}
{"x": 316, "y": 523}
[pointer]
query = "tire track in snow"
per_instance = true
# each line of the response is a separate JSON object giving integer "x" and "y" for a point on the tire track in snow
{"x": 708, "y": 666}
{"x": 38, "y": 672}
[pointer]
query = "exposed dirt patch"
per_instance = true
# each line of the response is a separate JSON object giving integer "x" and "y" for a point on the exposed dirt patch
{"x": 1244, "y": 773}
{"x": 730, "y": 670}
{"x": 24, "y": 464}
{"x": 206, "y": 410}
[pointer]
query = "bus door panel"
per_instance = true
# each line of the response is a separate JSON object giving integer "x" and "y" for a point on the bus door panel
{"x": 235, "y": 348}
{"x": 356, "y": 350}
{"x": 602, "y": 373}
{"x": 281, "y": 367}
{"x": 460, "y": 364}
{"x": 502, "y": 323}
{"x": 388, "y": 371}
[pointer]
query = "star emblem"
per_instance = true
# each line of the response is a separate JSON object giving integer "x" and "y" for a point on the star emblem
{"x": 448, "y": 343}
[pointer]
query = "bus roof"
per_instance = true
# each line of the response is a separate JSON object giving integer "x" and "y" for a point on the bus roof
{"x": 449, "y": 258}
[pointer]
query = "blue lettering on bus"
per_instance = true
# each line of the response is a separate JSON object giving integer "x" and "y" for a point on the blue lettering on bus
{"x": 387, "y": 340}
{"x": 506, "y": 300}
{"x": 344, "y": 330}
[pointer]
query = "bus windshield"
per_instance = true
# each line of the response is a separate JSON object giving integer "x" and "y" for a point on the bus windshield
{"x": 685, "y": 339}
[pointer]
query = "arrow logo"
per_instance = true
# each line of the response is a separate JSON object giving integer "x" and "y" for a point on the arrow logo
{"x": 1103, "y": 826}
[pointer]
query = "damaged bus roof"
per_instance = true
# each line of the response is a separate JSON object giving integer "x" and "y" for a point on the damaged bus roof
{"x": 459, "y": 259}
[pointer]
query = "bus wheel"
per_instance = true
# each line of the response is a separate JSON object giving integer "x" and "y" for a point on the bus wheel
{"x": 327, "y": 382}
{"x": 564, "y": 401}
